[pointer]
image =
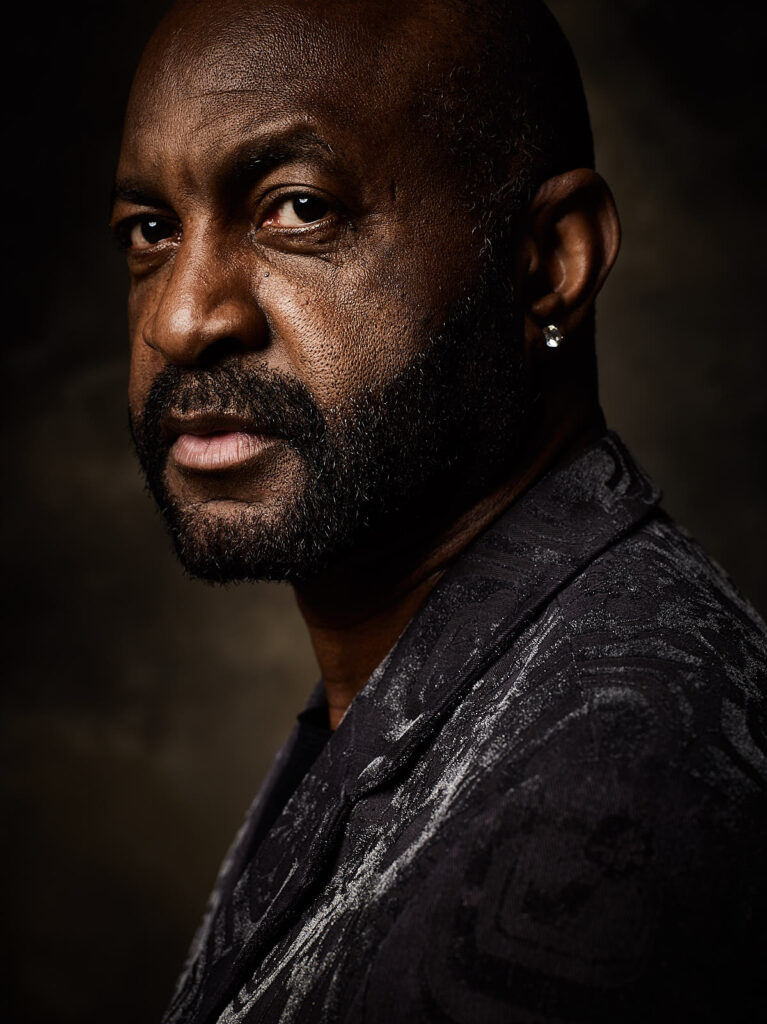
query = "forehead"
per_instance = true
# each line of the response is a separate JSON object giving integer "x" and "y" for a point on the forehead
{"x": 354, "y": 63}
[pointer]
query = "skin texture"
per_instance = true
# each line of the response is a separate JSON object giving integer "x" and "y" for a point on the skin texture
{"x": 236, "y": 108}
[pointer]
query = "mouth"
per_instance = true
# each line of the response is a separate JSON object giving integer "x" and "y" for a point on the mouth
{"x": 213, "y": 444}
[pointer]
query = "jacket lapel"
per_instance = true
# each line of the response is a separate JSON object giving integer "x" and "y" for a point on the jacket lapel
{"x": 492, "y": 591}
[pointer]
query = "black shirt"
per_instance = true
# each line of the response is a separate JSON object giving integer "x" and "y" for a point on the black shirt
{"x": 313, "y": 732}
{"x": 548, "y": 805}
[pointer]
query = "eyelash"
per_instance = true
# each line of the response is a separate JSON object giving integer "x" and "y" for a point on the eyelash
{"x": 125, "y": 229}
{"x": 334, "y": 209}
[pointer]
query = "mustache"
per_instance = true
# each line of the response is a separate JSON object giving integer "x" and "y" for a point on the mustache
{"x": 273, "y": 403}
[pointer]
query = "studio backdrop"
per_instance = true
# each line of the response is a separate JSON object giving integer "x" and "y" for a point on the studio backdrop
{"x": 141, "y": 709}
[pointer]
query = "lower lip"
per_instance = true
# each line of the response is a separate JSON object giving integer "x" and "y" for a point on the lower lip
{"x": 211, "y": 452}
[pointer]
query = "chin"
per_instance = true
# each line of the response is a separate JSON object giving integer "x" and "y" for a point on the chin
{"x": 235, "y": 541}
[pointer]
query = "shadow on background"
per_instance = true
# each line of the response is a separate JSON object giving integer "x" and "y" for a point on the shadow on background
{"x": 142, "y": 709}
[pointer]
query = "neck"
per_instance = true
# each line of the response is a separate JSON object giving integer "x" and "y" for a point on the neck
{"x": 355, "y": 618}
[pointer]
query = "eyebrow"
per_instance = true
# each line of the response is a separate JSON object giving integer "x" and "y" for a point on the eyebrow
{"x": 135, "y": 192}
{"x": 260, "y": 158}
{"x": 252, "y": 159}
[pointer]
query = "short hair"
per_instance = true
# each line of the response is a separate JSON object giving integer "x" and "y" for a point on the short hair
{"x": 514, "y": 112}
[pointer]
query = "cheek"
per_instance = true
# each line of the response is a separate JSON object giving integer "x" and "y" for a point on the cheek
{"x": 347, "y": 328}
{"x": 142, "y": 373}
{"x": 145, "y": 363}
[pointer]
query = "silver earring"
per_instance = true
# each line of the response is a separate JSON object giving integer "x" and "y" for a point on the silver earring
{"x": 552, "y": 336}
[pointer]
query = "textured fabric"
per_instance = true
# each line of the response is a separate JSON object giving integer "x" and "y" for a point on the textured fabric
{"x": 547, "y": 804}
{"x": 312, "y": 733}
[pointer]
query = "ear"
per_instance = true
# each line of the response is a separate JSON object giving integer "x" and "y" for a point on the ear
{"x": 570, "y": 239}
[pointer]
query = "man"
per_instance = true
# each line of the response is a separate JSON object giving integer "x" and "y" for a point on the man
{"x": 365, "y": 241}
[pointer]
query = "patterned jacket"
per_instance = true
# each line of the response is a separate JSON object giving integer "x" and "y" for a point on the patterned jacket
{"x": 547, "y": 804}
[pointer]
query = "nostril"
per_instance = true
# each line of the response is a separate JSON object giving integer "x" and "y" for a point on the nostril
{"x": 218, "y": 350}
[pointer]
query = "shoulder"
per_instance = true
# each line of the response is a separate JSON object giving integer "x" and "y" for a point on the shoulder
{"x": 610, "y": 864}
{"x": 669, "y": 658}
{"x": 655, "y": 592}
{"x": 643, "y": 682}
{"x": 629, "y": 826}
{"x": 646, "y": 668}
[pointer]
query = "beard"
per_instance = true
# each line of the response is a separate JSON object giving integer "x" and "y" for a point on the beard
{"x": 385, "y": 472}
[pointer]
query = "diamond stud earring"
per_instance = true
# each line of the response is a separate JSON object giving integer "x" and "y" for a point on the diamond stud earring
{"x": 552, "y": 336}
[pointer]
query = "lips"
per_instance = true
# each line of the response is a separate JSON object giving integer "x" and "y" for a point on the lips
{"x": 214, "y": 443}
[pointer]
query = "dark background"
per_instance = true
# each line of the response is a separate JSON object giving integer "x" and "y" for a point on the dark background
{"x": 141, "y": 709}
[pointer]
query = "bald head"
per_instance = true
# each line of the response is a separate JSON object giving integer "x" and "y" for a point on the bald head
{"x": 364, "y": 213}
{"x": 495, "y": 81}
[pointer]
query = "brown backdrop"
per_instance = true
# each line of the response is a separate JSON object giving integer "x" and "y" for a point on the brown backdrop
{"x": 141, "y": 709}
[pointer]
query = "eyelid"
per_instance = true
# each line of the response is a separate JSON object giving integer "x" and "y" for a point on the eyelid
{"x": 280, "y": 194}
{"x": 123, "y": 227}
{"x": 123, "y": 224}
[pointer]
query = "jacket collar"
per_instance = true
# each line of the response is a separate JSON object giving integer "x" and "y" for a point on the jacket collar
{"x": 493, "y": 590}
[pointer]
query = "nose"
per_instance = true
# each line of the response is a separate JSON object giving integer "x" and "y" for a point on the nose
{"x": 206, "y": 307}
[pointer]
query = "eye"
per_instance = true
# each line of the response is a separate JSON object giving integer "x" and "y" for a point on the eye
{"x": 297, "y": 211}
{"x": 144, "y": 232}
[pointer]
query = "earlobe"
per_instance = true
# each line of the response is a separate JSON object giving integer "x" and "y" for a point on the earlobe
{"x": 570, "y": 242}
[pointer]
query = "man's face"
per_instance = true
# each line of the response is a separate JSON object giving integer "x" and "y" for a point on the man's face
{"x": 320, "y": 367}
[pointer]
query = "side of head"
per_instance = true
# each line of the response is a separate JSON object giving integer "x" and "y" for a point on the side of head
{"x": 347, "y": 225}
{"x": 514, "y": 116}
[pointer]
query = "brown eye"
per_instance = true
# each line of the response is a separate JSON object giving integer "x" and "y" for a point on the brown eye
{"x": 297, "y": 211}
{"x": 148, "y": 231}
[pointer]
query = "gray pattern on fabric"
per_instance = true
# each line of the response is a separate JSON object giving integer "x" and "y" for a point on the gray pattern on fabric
{"x": 547, "y": 804}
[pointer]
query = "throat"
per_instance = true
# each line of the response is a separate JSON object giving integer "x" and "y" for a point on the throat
{"x": 355, "y": 614}
{"x": 351, "y": 640}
